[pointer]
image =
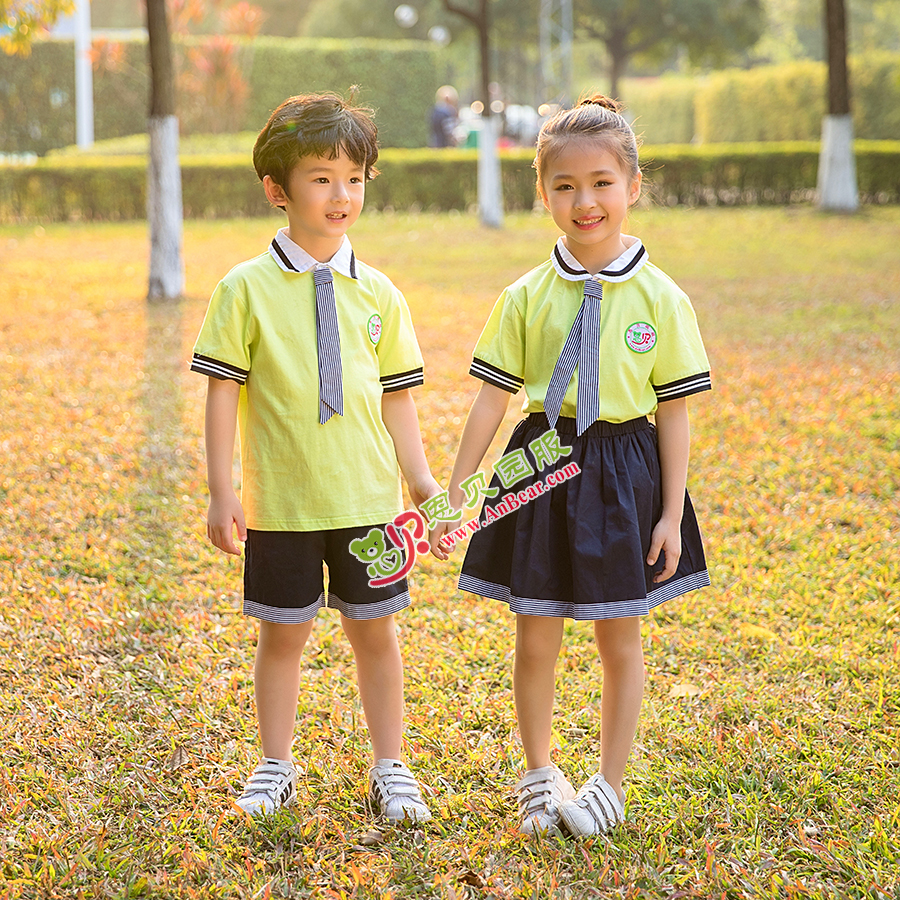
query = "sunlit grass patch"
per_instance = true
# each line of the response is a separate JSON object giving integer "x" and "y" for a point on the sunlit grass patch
{"x": 767, "y": 760}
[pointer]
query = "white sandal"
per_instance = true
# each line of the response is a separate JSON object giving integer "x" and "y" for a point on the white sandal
{"x": 541, "y": 794}
{"x": 595, "y": 810}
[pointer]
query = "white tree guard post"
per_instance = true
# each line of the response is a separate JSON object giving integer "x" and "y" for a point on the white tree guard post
{"x": 164, "y": 210}
{"x": 837, "y": 166}
{"x": 490, "y": 187}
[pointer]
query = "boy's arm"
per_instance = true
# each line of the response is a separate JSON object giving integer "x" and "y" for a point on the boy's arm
{"x": 398, "y": 410}
{"x": 674, "y": 435}
{"x": 484, "y": 419}
{"x": 225, "y": 510}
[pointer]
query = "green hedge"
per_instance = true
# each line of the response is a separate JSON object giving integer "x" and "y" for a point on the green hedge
{"x": 787, "y": 102}
{"x": 769, "y": 103}
{"x": 96, "y": 188}
{"x": 37, "y": 93}
{"x": 662, "y": 109}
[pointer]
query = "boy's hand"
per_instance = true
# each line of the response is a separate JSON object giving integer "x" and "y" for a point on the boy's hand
{"x": 667, "y": 538}
{"x": 423, "y": 489}
{"x": 225, "y": 513}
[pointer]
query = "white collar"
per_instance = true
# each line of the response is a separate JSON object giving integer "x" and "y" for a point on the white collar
{"x": 292, "y": 257}
{"x": 620, "y": 269}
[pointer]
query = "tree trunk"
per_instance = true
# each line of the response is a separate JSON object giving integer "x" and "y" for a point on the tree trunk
{"x": 490, "y": 185}
{"x": 837, "y": 164}
{"x": 617, "y": 48}
{"x": 164, "y": 204}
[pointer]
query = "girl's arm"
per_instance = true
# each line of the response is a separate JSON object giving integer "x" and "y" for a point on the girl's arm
{"x": 482, "y": 423}
{"x": 398, "y": 411}
{"x": 225, "y": 510}
{"x": 674, "y": 434}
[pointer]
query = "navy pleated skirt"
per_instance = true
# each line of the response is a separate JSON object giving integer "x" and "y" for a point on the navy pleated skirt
{"x": 576, "y": 544}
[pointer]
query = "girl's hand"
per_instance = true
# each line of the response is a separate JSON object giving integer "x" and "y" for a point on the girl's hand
{"x": 666, "y": 538}
{"x": 434, "y": 539}
{"x": 224, "y": 514}
{"x": 442, "y": 551}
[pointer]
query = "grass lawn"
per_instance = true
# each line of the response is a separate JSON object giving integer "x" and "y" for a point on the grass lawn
{"x": 767, "y": 761}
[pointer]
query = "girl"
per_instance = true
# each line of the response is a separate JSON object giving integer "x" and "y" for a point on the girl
{"x": 599, "y": 338}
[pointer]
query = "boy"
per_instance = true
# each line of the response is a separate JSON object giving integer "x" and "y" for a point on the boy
{"x": 314, "y": 354}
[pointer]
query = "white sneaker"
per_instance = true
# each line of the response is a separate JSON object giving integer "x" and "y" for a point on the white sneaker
{"x": 395, "y": 791}
{"x": 541, "y": 793}
{"x": 270, "y": 787}
{"x": 595, "y": 810}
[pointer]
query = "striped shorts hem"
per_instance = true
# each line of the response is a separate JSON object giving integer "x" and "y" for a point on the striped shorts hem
{"x": 360, "y": 611}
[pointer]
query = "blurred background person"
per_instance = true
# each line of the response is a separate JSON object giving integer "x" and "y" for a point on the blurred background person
{"x": 444, "y": 117}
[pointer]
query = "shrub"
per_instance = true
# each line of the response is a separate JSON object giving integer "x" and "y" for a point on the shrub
{"x": 662, "y": 108}
{"x": 37, "y": 93}
{"x": 224, "y": 185}
{"x": 787, "y": 102}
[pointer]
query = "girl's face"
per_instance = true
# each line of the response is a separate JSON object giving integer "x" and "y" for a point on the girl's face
{"x": 588, "y": 194}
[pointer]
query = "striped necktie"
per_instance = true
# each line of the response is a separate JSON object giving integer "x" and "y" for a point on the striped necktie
{"x": 328, "y": 342}
{"x": 582, "y": 347}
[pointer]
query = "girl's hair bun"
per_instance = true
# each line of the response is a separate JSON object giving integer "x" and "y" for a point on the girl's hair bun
{"x": 602, "y": 100}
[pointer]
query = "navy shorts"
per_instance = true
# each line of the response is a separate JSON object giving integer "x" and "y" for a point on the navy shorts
{"x": 578, "y": 548}
{"x": 284, "y": 577}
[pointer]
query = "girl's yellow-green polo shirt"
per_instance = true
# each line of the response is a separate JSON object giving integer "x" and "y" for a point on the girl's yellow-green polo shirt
{"x": 650, "y": 346}
{"x": 260, "y": 330}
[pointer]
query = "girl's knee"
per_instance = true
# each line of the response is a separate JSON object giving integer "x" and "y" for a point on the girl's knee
{"x": 538, "y": 641}
{"x": 619, "y": 642}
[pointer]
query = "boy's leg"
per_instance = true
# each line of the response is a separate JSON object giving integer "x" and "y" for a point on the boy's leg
{"x": 379, "y": 673}
{"x": 277, "y": 684}
{"x": 622, "y": 656}
{"x": 538, "y": 639}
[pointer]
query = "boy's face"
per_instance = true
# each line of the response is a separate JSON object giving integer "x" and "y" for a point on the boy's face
{"x": 326, "y": 198}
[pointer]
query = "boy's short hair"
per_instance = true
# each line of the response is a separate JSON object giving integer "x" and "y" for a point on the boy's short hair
{"x": 315, "y": 125}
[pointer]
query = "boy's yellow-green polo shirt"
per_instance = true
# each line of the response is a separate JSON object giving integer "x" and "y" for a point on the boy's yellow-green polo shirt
{"x": 650, "y": 346}
{"x": 260, "y": 330}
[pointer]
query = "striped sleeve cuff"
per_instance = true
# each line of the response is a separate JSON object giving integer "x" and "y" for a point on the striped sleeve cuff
{"x": 497, "y": 377}
{"x": 217, "y": 369}
{"x": 684, "y": 387}
{"x": 403, "y": 380}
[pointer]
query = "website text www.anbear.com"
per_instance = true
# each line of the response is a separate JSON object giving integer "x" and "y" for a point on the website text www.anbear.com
{"x": 511, "y": 502}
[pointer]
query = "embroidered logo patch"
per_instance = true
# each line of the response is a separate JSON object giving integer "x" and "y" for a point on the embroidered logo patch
{"x": 374, "y": 328}
{"x": 640, "y": 337}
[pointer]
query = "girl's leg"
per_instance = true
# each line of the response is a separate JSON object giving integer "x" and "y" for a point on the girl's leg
{"x": 538, "y": 639}
{"x": 379, "y": 672}
{"x": 277, "y": 684}
{"x": 619, "y": 643}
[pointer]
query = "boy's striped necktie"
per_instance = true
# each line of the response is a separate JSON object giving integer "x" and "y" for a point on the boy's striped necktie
{"x": 328, "y": 343}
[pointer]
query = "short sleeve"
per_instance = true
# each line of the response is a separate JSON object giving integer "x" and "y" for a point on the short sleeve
{"x": 499, "y": 357}
{"x": 681, "y": 367}
{"x": 399, "y": 358}
{"x": 222, "y": 349}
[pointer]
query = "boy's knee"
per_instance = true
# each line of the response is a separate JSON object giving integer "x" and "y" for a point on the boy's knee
{"x": 282, "y": 639}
